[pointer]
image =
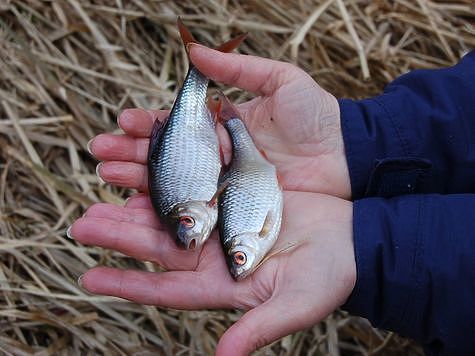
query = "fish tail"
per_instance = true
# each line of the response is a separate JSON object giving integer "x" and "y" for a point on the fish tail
{"x": 188, "y": 39}
{"x": 232, "y": 44}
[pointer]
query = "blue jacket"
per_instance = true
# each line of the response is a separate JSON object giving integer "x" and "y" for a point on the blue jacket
{"x": 411, "y": 156}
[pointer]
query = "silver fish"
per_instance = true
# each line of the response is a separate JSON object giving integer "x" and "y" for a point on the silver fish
{"x": 251, "y": 201}
{"x": 184, "y": 159}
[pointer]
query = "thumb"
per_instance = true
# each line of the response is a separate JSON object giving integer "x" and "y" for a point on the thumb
{"x": 258, "y": 75}
{"x": 263, "y": 325}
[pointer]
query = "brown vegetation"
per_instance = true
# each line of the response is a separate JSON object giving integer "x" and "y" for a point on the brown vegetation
{"x": 68, "y": 67}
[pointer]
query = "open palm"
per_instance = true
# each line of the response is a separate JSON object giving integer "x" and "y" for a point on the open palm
{"x": 293, "y": 120}
{"x": 278, "y": 297}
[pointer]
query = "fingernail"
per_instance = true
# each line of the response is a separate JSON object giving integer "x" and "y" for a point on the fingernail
{"x": 68, "y": 233}
{"x": 118, "y": 121}
{"x": 88, "y": 146}
{"x": 153, "y": 114}
{"x": 80, "y": 281}
{"x": 189, "y": 45}
{"x": 98, "y": 173}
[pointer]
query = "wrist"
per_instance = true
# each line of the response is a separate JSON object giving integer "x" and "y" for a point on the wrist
{"x": 333, "y": 148}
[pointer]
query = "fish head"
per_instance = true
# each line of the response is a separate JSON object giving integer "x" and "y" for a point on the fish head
{"x": 243, "y": 255}
{"x": 194, "y": 222}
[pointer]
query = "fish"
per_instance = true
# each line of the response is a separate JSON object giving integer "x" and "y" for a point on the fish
{"x": 251, "y": 202}
{"x": 183, "y": 159}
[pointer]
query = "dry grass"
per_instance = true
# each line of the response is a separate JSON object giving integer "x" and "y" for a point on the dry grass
{"x": 67, "y": 69}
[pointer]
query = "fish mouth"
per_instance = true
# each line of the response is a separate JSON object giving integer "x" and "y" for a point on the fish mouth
{"x": 194, "y": 222}
{"x": 239, "y": 276}
{"x": 187, "y": 243}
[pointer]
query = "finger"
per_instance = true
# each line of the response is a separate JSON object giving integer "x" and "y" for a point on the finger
{"x": 141, "y": 216}
{"x": 124, "y": 174}
{"x": 262, "y": 325}
{"x": 108, "y": 147}
{"x": 139, "y": 201}
{"x": 139, "y": 122}
{"x": 177, "y": 289}
{"x": 255, "y": 74}
{"x": 134, "y": 240}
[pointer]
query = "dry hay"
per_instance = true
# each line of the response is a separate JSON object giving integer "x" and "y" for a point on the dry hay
{"x": 69, "y": 67}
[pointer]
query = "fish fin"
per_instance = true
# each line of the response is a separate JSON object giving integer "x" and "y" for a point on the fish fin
{"x": 188, "y": 39}
{"x": 263, "y": 153}
{"x": 157, "y": 131}
{"x": 214, "y": 107}
{"x": 280, "y": 179}
{"x": 221, "y": 154}
{"x": 232, "y": 44}
{"x": 266, "y": 227}
{"x": 287, "y": 248}
{"x": 228, "y": 110}
{"x": 185, "y": 34}
{"x": 214, "y": 199}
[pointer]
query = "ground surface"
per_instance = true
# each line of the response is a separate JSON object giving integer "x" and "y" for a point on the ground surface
{"x": 67, "y": 68}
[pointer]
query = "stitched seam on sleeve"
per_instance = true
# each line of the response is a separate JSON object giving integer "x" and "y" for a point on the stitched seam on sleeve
{"x": 397, "y": 129}
{"x": 418, "y": 248}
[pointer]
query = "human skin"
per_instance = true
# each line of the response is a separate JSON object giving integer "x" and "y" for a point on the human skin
{"x": 292, "y": 290}
{"x": 292, "y": 119}
{"x": 297, "y": 124}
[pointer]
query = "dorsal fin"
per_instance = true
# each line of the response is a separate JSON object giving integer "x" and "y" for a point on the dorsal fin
{"x": 157, "y": 131}
{"x": 228, "y": 110}
{"x": 214, "y": 107}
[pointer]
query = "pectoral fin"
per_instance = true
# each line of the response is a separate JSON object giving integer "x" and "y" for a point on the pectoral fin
{"x": 221, "y": 188}
{"x": 263, "y": 153}
{"x": 266, "y": 227}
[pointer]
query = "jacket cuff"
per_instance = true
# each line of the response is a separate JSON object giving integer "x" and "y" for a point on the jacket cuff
{"x": 416, "y": 268}
{"x": 368, "y": 136}
{"x": 377, "y": 149}
{"x": 386, "y": 237}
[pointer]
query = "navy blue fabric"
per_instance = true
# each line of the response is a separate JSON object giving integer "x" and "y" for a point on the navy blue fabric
{"x": 415, "y": 250}
{"x": 425, "y": 114}
{"x": 415, "y": 259}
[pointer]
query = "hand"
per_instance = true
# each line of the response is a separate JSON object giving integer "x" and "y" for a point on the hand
{"x": 291, "y": 291}
{"x": 292, "y": 119}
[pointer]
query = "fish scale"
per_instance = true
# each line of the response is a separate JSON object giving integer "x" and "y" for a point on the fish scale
{"x": 250, "y": 206}
{"x": 184, "y": 164}
{"x": 187, "y": 166}
{"x": 247, "y": 200}
{"x": 183, "y": 158}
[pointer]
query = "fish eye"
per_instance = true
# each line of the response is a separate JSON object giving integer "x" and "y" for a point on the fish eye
{"x": 239, "y": 258}
{"x": 187, "y": 221}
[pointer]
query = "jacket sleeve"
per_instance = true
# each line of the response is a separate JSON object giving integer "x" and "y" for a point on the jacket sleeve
{"x": 417, "y": 137}
{"x": 415, "y": 259}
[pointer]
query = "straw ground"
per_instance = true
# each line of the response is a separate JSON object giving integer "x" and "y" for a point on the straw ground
{"x": 67, "y": 68}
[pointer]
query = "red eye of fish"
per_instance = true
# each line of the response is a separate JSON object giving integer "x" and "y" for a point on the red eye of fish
{"x": 240, "y": 258}
{"x": 188, "y": 221}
